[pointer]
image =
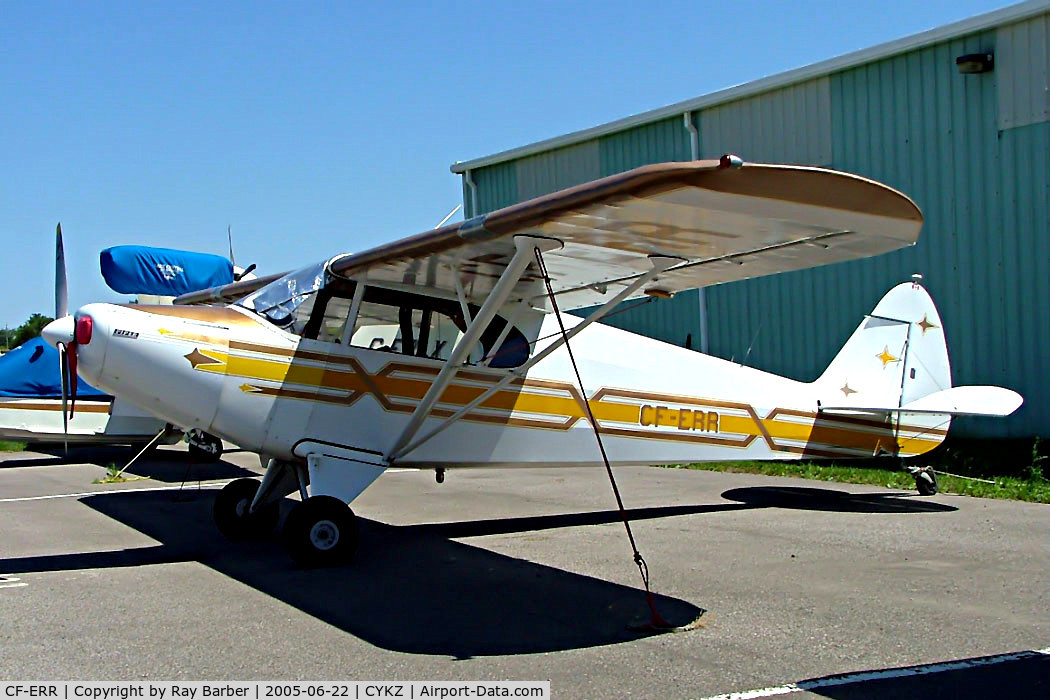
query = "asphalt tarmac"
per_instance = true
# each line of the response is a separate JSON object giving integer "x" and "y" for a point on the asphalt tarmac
{"x": 527, "y": 575}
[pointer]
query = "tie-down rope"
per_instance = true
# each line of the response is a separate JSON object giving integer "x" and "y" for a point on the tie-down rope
{"x": 657, "y": 622}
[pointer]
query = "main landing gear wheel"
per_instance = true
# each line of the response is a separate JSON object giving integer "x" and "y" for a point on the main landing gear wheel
{"x": 232, "y": 515}
{"x": 321, "y": 531}
{"x": 204, "y": 448}
{"x": 925, "y": 480}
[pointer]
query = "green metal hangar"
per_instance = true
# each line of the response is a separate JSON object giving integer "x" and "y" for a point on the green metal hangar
{"x": 957, "y": 117}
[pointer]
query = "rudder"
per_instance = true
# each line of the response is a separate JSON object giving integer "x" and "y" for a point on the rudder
{"x": 896, "y": 356}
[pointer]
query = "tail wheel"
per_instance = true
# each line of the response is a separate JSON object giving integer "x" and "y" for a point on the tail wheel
{"x": 926, "y": 482}
{"x": 232, "y": 512}
{"x": 321, "y": 531}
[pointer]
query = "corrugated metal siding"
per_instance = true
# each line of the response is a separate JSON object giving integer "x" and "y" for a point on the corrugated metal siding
{"x": 933, "y": 133}
{"x": 790, "y": 125}
{"x": 468, "y": 200}
{"x": 549, "y": 172}
{"x": 661, "y": 141}
{"x": 515, "y": 181}
{"x": 1022, "y": 67}
{"x": 1025, "y": 195}
{"x": 497, "y": 187}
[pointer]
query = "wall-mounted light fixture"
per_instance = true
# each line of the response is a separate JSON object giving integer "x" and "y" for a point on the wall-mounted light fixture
{"x": 975, "y": 63}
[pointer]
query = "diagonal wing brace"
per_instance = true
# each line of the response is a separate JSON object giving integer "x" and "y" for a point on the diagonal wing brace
{"x": 523, "y": 255}
{"x": 659, "y": 263}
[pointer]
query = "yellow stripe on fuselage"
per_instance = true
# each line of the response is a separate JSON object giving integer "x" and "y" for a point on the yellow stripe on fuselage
{"x": 868, "y": 438}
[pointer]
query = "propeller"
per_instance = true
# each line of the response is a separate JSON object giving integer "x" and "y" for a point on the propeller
{"x": 61, "y": 311}
{"x": 67, "y": 359}
{"x": 67, "y": 351}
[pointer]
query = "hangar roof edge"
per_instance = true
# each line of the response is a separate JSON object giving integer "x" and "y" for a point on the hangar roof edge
{"x": 1005, "y": 15}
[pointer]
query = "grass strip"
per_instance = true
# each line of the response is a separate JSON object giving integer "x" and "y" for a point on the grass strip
{"x": 11, "y": 446}
{"x": 1036, "y": 490}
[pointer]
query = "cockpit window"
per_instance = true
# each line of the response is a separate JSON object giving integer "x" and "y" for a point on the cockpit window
{"x": 288, "y": 301}
{"x": 409, "y": 326}
{"x": 427, "y": 326}
{"x": 308, "y": 303}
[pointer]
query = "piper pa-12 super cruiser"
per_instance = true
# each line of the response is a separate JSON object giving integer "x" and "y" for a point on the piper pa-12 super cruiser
{"x": 448, "y": 349}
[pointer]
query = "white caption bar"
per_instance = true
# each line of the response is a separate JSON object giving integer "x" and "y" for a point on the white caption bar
{"x": 265, "y": 690}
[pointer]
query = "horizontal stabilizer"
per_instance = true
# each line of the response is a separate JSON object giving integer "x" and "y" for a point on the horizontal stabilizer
{"x": 968, "y": 401}
{"x": 957, "y": 401}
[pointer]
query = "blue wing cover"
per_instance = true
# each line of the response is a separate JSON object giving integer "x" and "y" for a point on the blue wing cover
{"x": 134, "y": 269}
{"x": 31, "y": 371}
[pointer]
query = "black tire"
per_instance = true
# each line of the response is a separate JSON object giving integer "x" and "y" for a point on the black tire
{"x": 205, "y": 449}
{"x": 321, "y": 531}
{"x": 926, "y": 482}
{"x": 232, "y": 516}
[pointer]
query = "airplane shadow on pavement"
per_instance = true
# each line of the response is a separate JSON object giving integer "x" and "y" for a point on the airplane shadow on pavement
{"x": 166, "y": 465}
{"x": 50, "y": 454}
{"x": 413, "y": 588}
{"x": 804, "y": 498}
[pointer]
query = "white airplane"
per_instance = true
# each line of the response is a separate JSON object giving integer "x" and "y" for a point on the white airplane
{"x": 446, "y": 349}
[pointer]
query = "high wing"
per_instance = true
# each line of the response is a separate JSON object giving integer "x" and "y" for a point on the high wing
{"x": 725, "y": 220}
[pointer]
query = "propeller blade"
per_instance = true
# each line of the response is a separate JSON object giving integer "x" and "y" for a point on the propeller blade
{"x": 71, "y": 359}
{"x": 63, "y": 371}
{"x": 229, "y": 235}
{"x": 61, "y": 290}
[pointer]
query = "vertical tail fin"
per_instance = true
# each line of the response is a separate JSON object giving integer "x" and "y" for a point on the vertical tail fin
{"x": 896, "y": 356}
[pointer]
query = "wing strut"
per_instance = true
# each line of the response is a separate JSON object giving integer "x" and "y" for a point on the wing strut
{"x": 523, "y": 255}
{"x": 659, "y": 263}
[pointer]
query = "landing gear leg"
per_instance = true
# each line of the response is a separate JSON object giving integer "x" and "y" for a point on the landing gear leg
{"x": 204, "y": 448}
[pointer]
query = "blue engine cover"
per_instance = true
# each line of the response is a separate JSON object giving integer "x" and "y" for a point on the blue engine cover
{"x": 134, "y": 269}
{"x": 31, "y": 371}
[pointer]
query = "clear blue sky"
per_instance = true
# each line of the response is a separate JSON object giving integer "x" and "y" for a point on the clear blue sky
{"x": 315, "y": 128}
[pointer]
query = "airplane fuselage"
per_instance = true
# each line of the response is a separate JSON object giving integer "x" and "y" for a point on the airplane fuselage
{"x": 232, "y": 374}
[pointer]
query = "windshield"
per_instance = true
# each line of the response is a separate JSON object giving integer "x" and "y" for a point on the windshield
{"x": 281, "y": 300}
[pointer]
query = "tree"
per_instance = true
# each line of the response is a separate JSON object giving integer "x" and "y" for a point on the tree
{"x": 30, "y": 329}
